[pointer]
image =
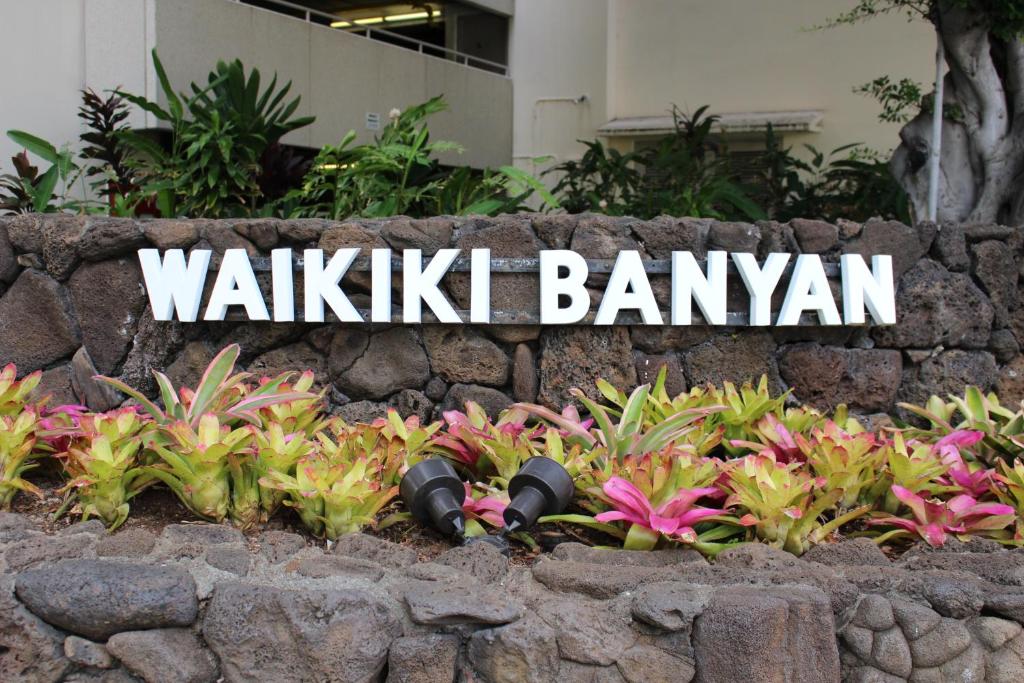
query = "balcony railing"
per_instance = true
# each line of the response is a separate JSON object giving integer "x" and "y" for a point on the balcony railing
{"x": 381, "y": 35}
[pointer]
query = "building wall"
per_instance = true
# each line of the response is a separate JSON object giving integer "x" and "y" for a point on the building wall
{"x": 341, "y": 77}
{"x": 734, "y": 55}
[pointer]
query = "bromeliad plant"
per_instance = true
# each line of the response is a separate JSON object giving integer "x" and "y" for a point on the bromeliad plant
{"x": 932, "y": 520}
{"x": 103, "y": 463}
{"x": 19, "y": 432}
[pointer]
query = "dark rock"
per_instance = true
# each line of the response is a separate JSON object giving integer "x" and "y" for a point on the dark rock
{"x": 648, "y": 664}
{"x": 901, "y": 242}
{"x": 87, "y": 653}
{"x": 428, "y": 235}
{"x": 17, "y": 527}
{"x": 336, "y": 565}
{"x": 394, "y": 360}
{"x": 669, "y": 337}
{"x": 1009, "y": 605}
{"x": 941, "y": 644}
{"x": 461, "y": 355}
{"x": 576, "y": 357}
{"x": 1005, "y": 568}
{"x": 270, "y": 634}
{"x": 574, "y": 672}
{"x": 734, "y": 237}
{"x": 366, "y": 547}
{"x": 948, "y": 373}
{"x": 950, "y": 248}
{"x": 347, "y": 345}
{"x": 814, "y": 237}
{"x": 8, "y": 263}
{"x": 996, "y": 270}
{"x": 738, "y": 359}
{"x": 852, "y": 552}
{"x": 577, "y": 552}
{"x": 92, "y": 526}
{"x": 303, "y": 232}
{"x": 296, "y": 358}
{"x": 596, "y": 580}
{"x": 30, "y": 649}
{"x": 98, "y": 598}
{"x": 221, "y": 236}
{"x": 436, "y": 389}
{"x": 229, "y": 558}
{"x": 39, "y": 327}
{"x": 154, "y": 346}
{"x": 936, "y": 308}
{"x": 587, "y": 631}
{"x": 37, "y": 550}
{"x": 60, "y": 245}
{"x": 757, "y": 634}
{"x": 603, "y": 237}
{"x": 522, "y": 652}
{"x": 97, "y": 395}
{"x": 56, "y": 383}
{"x": 1004, "y": 346}
{"x": 171, "y": 234}
{"x": 278, "y": 546}
{"x": 423, "y": 659}
{"x": 649, "y": 366}
{"x": 757, "y": 556}
{"x": 555, "y": 229}
{"x": 105, "y": 238}
{"x": 170, "y": 655}
{"x": 25, "y": 231}
{"x": 410, "y": 402}
{"x": 191, "y": 540}
{"x": 824, "y": 376}
{"x": 663, "y": 235}
{"x": 191, "y": 363}
{"x": 452, "y": 603}
{"x": 670, "y": 605}
{"x": 980, "y": 233}
{"x": 361, "y": 412}
{"x": 525, "y": 382}
{"x": 491, "y": 400}
{"x": 482, "y": 561}
{"x": 262, "y": 233}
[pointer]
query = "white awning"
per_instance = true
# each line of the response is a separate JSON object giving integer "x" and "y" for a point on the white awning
{"x": 806, "y": 121}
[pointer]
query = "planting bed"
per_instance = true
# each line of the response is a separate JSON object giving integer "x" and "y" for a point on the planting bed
{"x": 196, "y": 602}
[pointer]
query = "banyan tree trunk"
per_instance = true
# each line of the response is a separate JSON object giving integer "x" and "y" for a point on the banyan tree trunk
{"x": 982, "y": 153}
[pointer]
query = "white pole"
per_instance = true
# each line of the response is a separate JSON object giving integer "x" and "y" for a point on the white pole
{"x": 936, "y": 151}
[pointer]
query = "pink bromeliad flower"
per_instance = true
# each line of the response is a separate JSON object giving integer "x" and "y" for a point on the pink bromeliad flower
{"x": 674, "y": 518}
{"x": 959, "y": 515}
{"x": 489, "y": 508}
{"x": 972, "y": 482}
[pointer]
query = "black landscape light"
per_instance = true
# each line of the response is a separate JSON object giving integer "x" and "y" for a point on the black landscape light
{"x": 541, "y": 487}
{"x": 434, "y": 494}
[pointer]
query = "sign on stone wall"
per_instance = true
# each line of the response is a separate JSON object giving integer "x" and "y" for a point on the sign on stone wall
{"x": 175, "y": 285}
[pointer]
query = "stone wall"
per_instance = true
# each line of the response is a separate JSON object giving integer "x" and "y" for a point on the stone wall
{"x": 72, "y": 304}
{"x": 202, "y": 603}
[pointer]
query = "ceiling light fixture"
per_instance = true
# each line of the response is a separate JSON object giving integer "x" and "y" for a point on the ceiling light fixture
{"x": 340, "y": 24}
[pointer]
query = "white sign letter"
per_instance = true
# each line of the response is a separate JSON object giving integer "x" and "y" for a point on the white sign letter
{"x": 283, "y": 285}
{"x": 322, "y": 285}
{"x": 809, "y": 291}
{"x": 420, "y": 284}
{"x": 173, "y": 286}
{"x": 628, "y": 273}
{"x": 760, "y": 283}
{"x": 860, "y": 286}
{"x": 689, "y": 283}
{"x": 573, "y": 285}
{"x": 480, "y": 286}
{"x": 236, "y": 286}
{"x": 380, "y": 285}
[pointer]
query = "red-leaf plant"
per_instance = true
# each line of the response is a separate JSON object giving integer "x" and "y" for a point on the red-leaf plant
{"x": 933, "y": 519}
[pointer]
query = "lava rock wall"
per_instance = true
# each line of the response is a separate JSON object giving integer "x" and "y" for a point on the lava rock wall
{"x": 73, "y": 305}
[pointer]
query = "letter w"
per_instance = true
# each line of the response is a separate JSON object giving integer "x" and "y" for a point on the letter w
{"x": 172, "y": 285}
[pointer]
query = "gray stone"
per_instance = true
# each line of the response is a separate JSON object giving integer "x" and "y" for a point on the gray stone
{"x": 56, "y": 383}
{"x": 670, "y": 557}
{"x": 40, "y": 324}
{"x": 229, "y": 558}
{"x": 738, "y": 359}
{"x": 915, "y": 619}
{"x": 362, "y": 412}
{"x": 60, "y": 245}
{"x": 270, "y": 634}
{"x": 278, "y": 546}
{"x": 296, "y": 358}
{"x": 950, "y": 248}
{"x": 670, "y": 605}
{"x": 587, "y": 631}
{"x": 1004, "y": 345}
{"x": 555, "y": 229}
{"x": 191, "y": 540}
{"x": 854, "y": 551}
{"x": 170, "y": 655}
{"x": 97, "y": 598}
{"x": 814, "y": 237}
{"x": 599, "y": 581}
{"x": 428, "y": 235}
{"x": 874, "y": 612}
{"x": 394, "y": 360}
{"x": 423, "y": 659}
{"x": 453, "y": 603}
{"x": 901, "y": 242}
{"x": 648, "y": 664}
{"x": 8, "y": 263}
{"x": 171, "y": 233}
{"x": 262, "y": 233}
{"x": 948, "y": 373}
{"x": 366, "y": 547}
{"x": 491, "y": 400}
{"x": 137, "y": 542}
{"x": 30, "y": 649}
{"x": 482, "y": 561}
{"x": 17, "y": 527}
{"x": 87, "y": 653}
{"x": 336, "y": 565}
{"x": 105, "y": 238}
{"x": 734, "y": 237}
{"x": 938, "y": 646}
{"x": 461, "y": 355}
{"x": 825, "y": 376}
{"x": 436, "y": 389}
{"x": 108, "y": 299}
{"x": 409, "y": 402}
{"x": 994, "y": 267}
{"x": 891, "y": 654}
{"x": 648, "y": 367}
{"x": 576, "y": 357}
{"x": 663, "y": 235}
{"x": 522, "y": 652}
{"x": 937, "y": 307}
{"x": 1009, "y": 605}
{"x": 92, "y": 526}
{"x": 36, "y": 550}
{"x": 97, "y": 395}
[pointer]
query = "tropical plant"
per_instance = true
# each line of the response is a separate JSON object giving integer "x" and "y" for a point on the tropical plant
{"x": 932, "y": 519}
{"x": 30, "y": 191}
{"x": 485, "y": 448}
{"x": 103, "y": 465}
{"x": 102, "y": 147}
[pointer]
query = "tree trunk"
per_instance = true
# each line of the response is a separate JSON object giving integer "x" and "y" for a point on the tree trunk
{"x": 982, "y": 166}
